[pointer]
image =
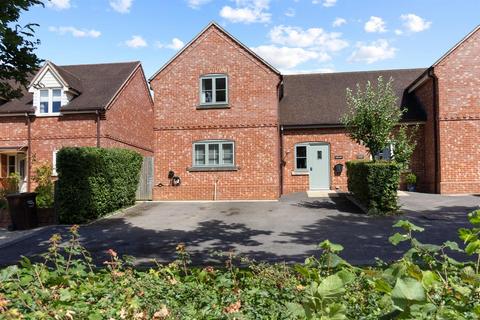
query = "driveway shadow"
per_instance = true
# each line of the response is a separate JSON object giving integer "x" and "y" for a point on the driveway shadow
{"x": 290, "y": 233}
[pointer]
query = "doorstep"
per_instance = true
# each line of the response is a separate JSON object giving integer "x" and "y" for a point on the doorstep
{"x": 325, "y": 193}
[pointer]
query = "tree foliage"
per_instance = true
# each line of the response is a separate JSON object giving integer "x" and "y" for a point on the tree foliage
{"x": 404, "y": 145}
{"x": 17, "y": 46}
{"x": 44, "y": 189}
{"x": 372, "y": 115}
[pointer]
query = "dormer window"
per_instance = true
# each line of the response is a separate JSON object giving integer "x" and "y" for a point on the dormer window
{"x": 50, "y": 101}
{"x": 214, "y": 90}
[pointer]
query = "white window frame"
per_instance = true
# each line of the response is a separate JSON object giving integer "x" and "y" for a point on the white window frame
{"x": 54, "y": 163}
{"x": 220, "y": 164}
{"x": 8, "y": 164}
{"x": 306, "y": 158}
{"x": 213, "y": 77}
{"x": 50, "y": 102}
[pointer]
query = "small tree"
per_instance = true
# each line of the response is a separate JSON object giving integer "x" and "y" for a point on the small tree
{"x": 44, "y": 189}
{"x": 372, "y": 115}
{"x": 404, "y": 145}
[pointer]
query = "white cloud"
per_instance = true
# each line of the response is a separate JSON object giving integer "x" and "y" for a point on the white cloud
{"x": 196, "y": 4}
{"x": 121, "y": 6}
{"x": 175, "y": 44}
{"x": 77, "y": 33}
{"x": 290, "y": 12}
{"x": 247, "y": 11}
{"x": 136, "y": 42}
{"x": 59, "y": 4}
{"x": 325, "y": 3}
{"x": 372, "y": 52}
{"x": 313, "y": 38}
{"x": 414, "y": 23}
{"x": 398, "y": 32}
{"x": 287, "y": 58}
{"x": 329, "y": 3}
{"x": 375, "y": 24}
{"x": 339, "y": 22}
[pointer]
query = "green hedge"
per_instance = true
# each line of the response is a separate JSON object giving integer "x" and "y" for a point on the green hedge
{"x": 374, "y": 185}
{"x": 93, "y": 182}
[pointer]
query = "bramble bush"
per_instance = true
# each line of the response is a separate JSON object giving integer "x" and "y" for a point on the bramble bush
{"x": 93, "y": 182}
{"x": 426, "y": 283}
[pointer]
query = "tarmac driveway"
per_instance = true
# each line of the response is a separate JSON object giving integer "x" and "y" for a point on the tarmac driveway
{"x": 287, "y": 230}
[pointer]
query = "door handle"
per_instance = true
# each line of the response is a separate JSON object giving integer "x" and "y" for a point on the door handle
{"x": 310, "y": 168}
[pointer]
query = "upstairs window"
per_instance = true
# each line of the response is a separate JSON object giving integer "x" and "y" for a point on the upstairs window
{"x": 213, "y": 154}
{"x": 50, "y": 101}
{"x": 213, "y": 89}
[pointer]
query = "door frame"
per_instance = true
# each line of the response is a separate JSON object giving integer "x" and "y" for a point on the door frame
{"x": 329, "y": 175}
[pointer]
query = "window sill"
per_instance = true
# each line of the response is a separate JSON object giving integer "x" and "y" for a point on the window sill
{"x": 300, "y": 173}
{"x": 213, "y": 106}
{"x": 212, "y": 169}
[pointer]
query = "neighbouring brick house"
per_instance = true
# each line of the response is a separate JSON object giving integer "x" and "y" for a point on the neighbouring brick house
{"x": 104, "y": 105}
{"x": 230, "y": 126}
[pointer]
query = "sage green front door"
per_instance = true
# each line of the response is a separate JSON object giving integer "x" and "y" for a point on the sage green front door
{"x": 318, "y": 161}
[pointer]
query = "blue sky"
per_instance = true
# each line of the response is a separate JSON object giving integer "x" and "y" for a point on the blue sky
{"x": 293, "y": 35}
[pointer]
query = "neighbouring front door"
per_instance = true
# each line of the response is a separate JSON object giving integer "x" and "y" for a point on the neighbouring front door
{"x": 318, "y": 159}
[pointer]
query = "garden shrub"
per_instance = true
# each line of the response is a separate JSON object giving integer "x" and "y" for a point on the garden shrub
{"x": 374, "y": 185}
{"x": 426, "y": 283}
{"x": 93, "y": 182}
{"x": 44, "y": 189}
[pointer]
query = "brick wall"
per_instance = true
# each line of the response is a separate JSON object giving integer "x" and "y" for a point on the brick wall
{"x": 340, "y": 145}
{"x": 257, "y": 176}
{"x": 129, "y": 120}
{"x": 424, "y": 154}
{"x": 251, "y": 120}
{"x": 459, "y": 117}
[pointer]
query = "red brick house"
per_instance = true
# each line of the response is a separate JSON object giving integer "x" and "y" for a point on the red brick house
{"x": 230, "y": 126}
{"x": 105, "y": 105}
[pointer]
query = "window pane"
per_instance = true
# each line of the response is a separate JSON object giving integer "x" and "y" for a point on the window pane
{"x": 301, "y": 157}
{"x": 221, "y": 83}
{"x": 206, "y": 84}
{"x": 56, "y": 106}
{"x": 44, "y": 95}
{"x": 302, "y": 151}
{"x": 301, "y": 163}
{"x": 44, "y": 107}
{"x": 221, "y": 96}
{"x": 213, "y": 154}
{"x": 227, "y": 149}
{"x": 11, "y": 164}
{"x": 199, "y": 154}
{"x": 207, "y": 97}
{"x": 57, "y": 94}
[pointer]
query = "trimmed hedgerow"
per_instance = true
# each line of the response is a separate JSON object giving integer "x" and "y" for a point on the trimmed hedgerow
{"x": 93, "y": 182}
{"x": 374, "y": 185}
